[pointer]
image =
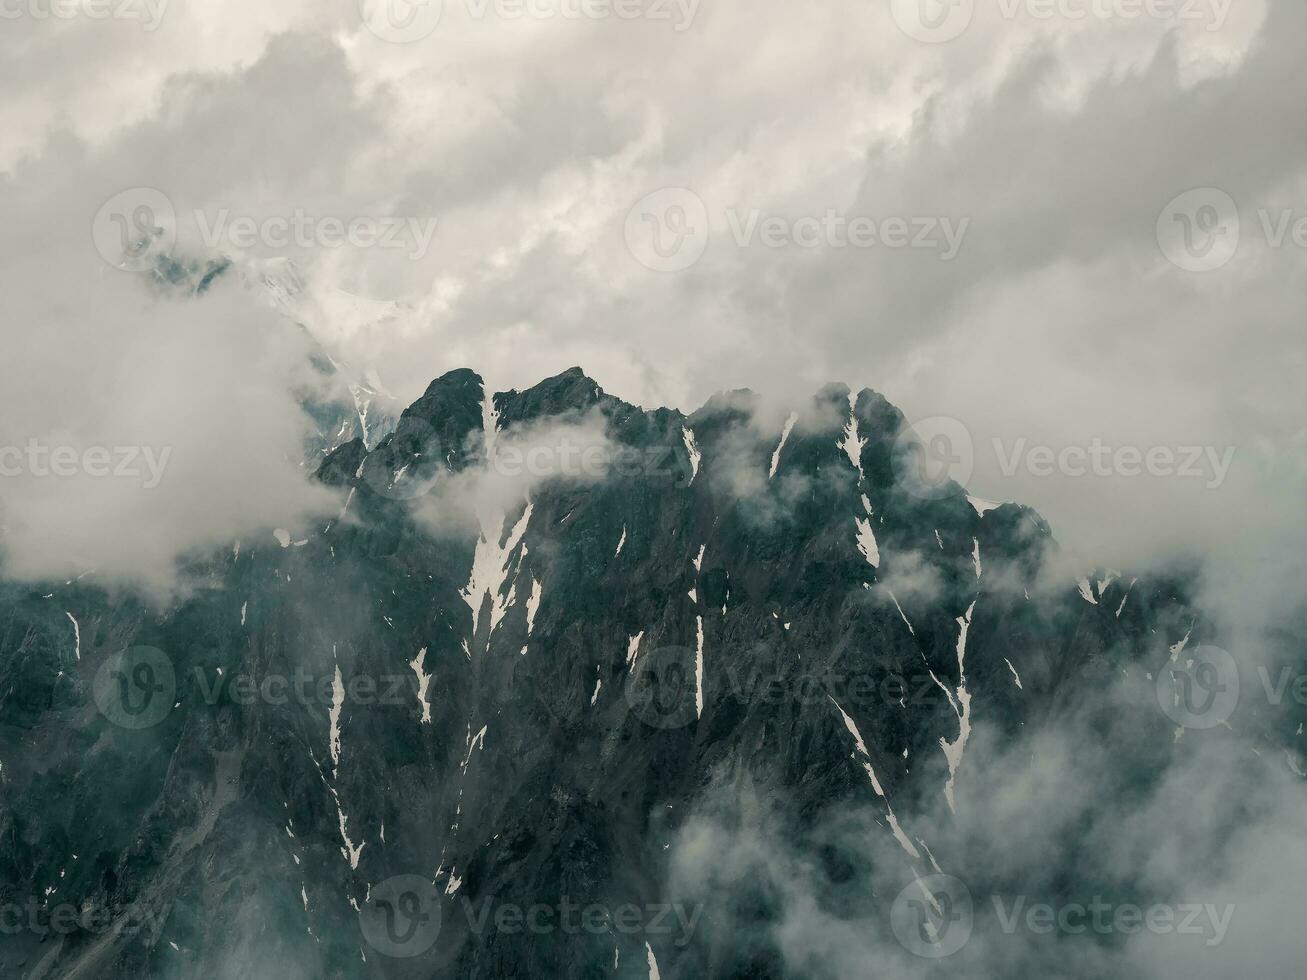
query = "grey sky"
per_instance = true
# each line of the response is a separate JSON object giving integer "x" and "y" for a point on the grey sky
{"x": 528, "y": 139}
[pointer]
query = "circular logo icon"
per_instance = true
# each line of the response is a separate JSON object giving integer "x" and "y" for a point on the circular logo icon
{"x": 412, "y": 444}
{"x": 933, "y": 21}
{"x": 134, "y": 228}
{"x": 667, "y": 231}
{"x": 1199, "y": 230}
{"x": 932, "y": 917}
{"x": 934, "y": 457}
{"x": 1200, "y": 688}
{"x": 137, "y": 688}
{"x": 401, "y": 21}
{"x": 401, "y": 917}
{"x": 662, "y": 688}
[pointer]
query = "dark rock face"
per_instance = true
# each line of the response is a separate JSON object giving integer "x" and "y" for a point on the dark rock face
{"x": 423, "y": 739}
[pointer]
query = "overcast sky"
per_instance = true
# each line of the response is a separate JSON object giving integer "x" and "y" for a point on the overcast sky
{"x": 665, "y": 193}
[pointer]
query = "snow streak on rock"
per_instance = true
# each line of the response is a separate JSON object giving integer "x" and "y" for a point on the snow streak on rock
{"x": 900, "y": 609}
{"x": 975, "y": 555}
{"x": 692, "y": 449}
{"x": 785, "y": 435}
{"x": 337, "y": 703}
{"x": 1178, "y": 648}
{"x": 77, "y": 634}
{"x": 424, "y": 682}
{"x": 853, "y": 442}
{"x": 962, "y": 705}
{"x": 1125, "y": 597}
{"x": 633, "y": 648}
{"x": 490, "y": 567}
{"x": 533, "y": 605}
{"x": 852, "y": 445}
{"x": 653, "y": 964}
{"x": 866, "y": 538}
{"x": 621, "y": 543}
{"x": 864, "y": 758}
{"x": 1015, "y": 676}
{"x": 698, "y": 669}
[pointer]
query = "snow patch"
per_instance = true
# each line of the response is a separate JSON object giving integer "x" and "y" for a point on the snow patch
{"x": 692, "y": 450}
{"x": 424, "y": 682}
{"x": 77, "y": 633}
{"x": 785, "y": 435}
{"x": 962, "y": 706}
{"x": 698, "y": 670}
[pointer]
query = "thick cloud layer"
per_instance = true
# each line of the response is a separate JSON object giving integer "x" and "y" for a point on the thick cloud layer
{"x": 1029, "y": 158}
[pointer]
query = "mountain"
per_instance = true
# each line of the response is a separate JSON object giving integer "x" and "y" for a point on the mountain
{"x": 423, "y": 738}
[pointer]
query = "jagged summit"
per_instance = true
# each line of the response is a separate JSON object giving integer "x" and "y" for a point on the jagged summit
{"x": 521, "y": 691}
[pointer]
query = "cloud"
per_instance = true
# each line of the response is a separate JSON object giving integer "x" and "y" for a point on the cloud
{"x": 1066, "y": 814}
{"x": 1059, "y": 320}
